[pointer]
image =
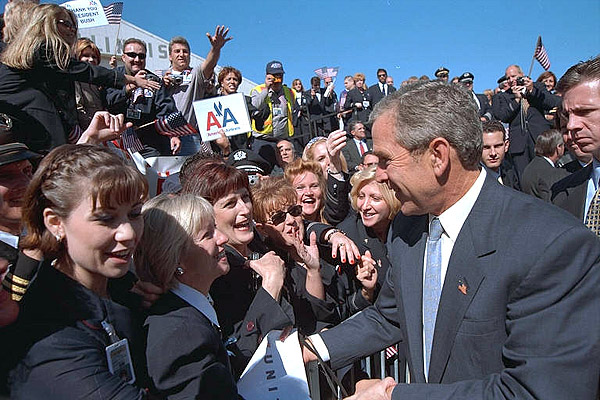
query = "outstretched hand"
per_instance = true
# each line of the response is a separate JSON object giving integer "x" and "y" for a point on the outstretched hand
{"x": 218, "y": 40}
{"x": 104, "y": 127}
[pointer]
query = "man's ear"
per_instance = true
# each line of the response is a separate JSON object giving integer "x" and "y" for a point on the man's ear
{"x": 506, "y": 145}
{"x": 440, "y": 155}
{"x": 53, "y": 222}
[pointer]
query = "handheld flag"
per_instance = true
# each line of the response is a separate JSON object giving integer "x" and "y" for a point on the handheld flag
{"x": 541, "y": 55}
{"x": 174, "y": 125}
{"x": 114, "y": 12}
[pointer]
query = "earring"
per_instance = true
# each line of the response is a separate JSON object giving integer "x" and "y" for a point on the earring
{"x": 179, "y": 271}
{"x": 58, "y": 237}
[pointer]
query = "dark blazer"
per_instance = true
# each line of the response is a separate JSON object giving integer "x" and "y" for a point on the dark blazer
{"x": 485, "y": 109}
{"x": 356, "y": 96}
{"x": 376, "y": 93}
{"x": 185, "y": 355}
{"x": 61, "y": 345}
{"x": 352, "y": 154}
{"x": 532, "y": 276}
{"x": 570, "y": 193}
{"x": 159, "y": 104}
{"x": 539, "y": 176}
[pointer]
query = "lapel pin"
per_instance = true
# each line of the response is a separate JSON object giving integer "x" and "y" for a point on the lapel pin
{"x": 463, "y": 287}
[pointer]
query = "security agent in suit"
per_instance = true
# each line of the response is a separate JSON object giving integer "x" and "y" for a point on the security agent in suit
{"x": 542, "y": 173}
{"x": 381, "y": 89}
{"x": 526, "y": 119}
{"x": 519, "y": 279}
{"x": 580, "y": 88}
{"x": 495, "y": 147}
{"x": 358, "y": 138}
{"x": 485, "y": 110}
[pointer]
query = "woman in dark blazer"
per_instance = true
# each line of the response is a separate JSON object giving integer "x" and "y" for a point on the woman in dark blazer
{"x": 185, "y": 354}
{"x": 374, "y": 207}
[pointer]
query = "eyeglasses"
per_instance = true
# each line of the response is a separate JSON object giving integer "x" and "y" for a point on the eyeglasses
{"x": 280, "y": 216}
{"x": 380, "y": 75}
{"x": 132, "y": 54}
{"x": 67, "y": 24}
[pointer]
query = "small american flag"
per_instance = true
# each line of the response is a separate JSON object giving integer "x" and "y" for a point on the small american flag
{"x": 391, "y": 351}
{"x": 541, "y": 55}
{"x": 131, "y": 141}
{"x": 114, "y": 12}
{"x": 174, "y": 125}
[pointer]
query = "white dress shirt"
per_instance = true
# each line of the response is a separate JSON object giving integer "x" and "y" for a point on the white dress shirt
{"x": 197, "y": 300}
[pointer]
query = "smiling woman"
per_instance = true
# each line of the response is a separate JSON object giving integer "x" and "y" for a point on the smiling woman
{"x": 83, "y": 211}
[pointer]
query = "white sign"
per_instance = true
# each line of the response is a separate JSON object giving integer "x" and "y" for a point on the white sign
{"x": 89, "y": 13}
{"x": 276, "y": 371}
{"x": 228, "y": 114}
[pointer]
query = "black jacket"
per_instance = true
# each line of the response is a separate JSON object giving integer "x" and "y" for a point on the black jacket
{"x": 60, "y": 345}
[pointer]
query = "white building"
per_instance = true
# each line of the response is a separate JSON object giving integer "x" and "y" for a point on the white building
{"x": 110, "y": 38}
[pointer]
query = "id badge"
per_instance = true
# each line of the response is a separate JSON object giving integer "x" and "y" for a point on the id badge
{"x": 366, "y": 103}
{"x": 133, "y": 113}
{"x": 119, "y": 361}
{"x": 277, "y": 111}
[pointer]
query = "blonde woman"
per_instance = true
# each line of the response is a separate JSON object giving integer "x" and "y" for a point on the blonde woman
{"x": 37, "y": 72}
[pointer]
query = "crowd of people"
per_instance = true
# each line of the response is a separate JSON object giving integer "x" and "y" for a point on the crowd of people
{"x": 380, "y": 217}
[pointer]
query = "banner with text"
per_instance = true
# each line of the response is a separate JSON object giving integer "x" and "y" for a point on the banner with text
{"x": 224, "y": 113}
{"x": 89, "y": 13}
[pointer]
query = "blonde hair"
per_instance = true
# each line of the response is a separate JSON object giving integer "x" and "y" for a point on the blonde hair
{"x": 309, "y": 151}
{"x": 16, "y": 14}
{"x": 271, "y": 195}
{"x": 366, "y": 176}
{"x": 40, "y": 32}
{"x": 85, "y": 43}
{"x": 299, "y": 167}
{"x": 170, "y": 224}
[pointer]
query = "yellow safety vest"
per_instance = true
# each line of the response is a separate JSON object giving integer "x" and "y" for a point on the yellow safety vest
{"x": 290, "y": 96}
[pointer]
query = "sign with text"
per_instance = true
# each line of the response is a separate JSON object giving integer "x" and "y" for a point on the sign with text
{"x": 89, "y": 13}
{"x": 228, "y": 114}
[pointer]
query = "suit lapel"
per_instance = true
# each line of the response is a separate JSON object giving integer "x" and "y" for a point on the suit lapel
{"x": 411, "y": 273}
{"x": 474, "y": 244}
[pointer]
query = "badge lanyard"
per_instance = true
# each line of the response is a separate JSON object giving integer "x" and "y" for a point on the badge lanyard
{"x": 118, "y": 355}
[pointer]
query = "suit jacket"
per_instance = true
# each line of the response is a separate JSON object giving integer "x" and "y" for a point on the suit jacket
{"x": 570, "y": 193}
{"x": 539, "y": 176}
{"x": 356, "y": 96}
{"x": 352, "y": 154}
{"x": 185, "y": 355}
{"x": 525, "y": 315}
{"x": 377, "y": 94}
{"x": 485, "y": 109}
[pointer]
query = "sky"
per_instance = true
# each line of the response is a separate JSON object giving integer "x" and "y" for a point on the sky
{"x": 404, "y": 37}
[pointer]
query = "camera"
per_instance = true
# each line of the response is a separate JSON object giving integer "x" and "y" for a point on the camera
{"x": 521, "y": 81}
{"x": 253, "y": 179}
{"x": 177, "y": 79}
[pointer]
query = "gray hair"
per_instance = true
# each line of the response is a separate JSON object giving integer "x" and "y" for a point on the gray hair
{"x": 170, "y": 224}
{"x": 584, "y": 71}
{"x": 426, "y": 110}
{"x": 547, "y": 142}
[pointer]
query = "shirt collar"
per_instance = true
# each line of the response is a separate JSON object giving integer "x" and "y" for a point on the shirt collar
{"x": 595, "y": 172}
{"x": 197, "y": 300}
{"x": 454, "y": 217}
{"x": 549, "y": 161}
{"x": 9, "y": 239}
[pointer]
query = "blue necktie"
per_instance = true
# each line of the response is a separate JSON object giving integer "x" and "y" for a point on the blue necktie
{"x": 432, "y": 287}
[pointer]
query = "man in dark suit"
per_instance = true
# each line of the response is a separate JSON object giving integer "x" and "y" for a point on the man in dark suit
{"x": 580, "y": 88}
{"x": 381, "y": 89}
{"x": 542, "y": 173}
{"x": 523, "y": 106}
{"x": 357, "y": 146}
{"x": 483, "y": 106}
{"x": 495, "y": 148}
{"x": 490, "y": 292}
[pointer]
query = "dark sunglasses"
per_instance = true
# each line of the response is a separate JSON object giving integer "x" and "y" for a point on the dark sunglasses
{"x": 279, "y": 217}
{"x": 132, "y": 54}
{"x": 380, "y": 75}
{"x": 68, "y": 24}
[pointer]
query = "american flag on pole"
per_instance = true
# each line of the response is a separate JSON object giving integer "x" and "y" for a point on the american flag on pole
{"x": 541, "y": 55}
{"x": 131, "y": 141}
{"x": 174, "y": 125}
{"x": 114, "y": 12}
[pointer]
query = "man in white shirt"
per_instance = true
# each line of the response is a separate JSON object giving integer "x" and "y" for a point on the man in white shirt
{"x": 490, "y": 292}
